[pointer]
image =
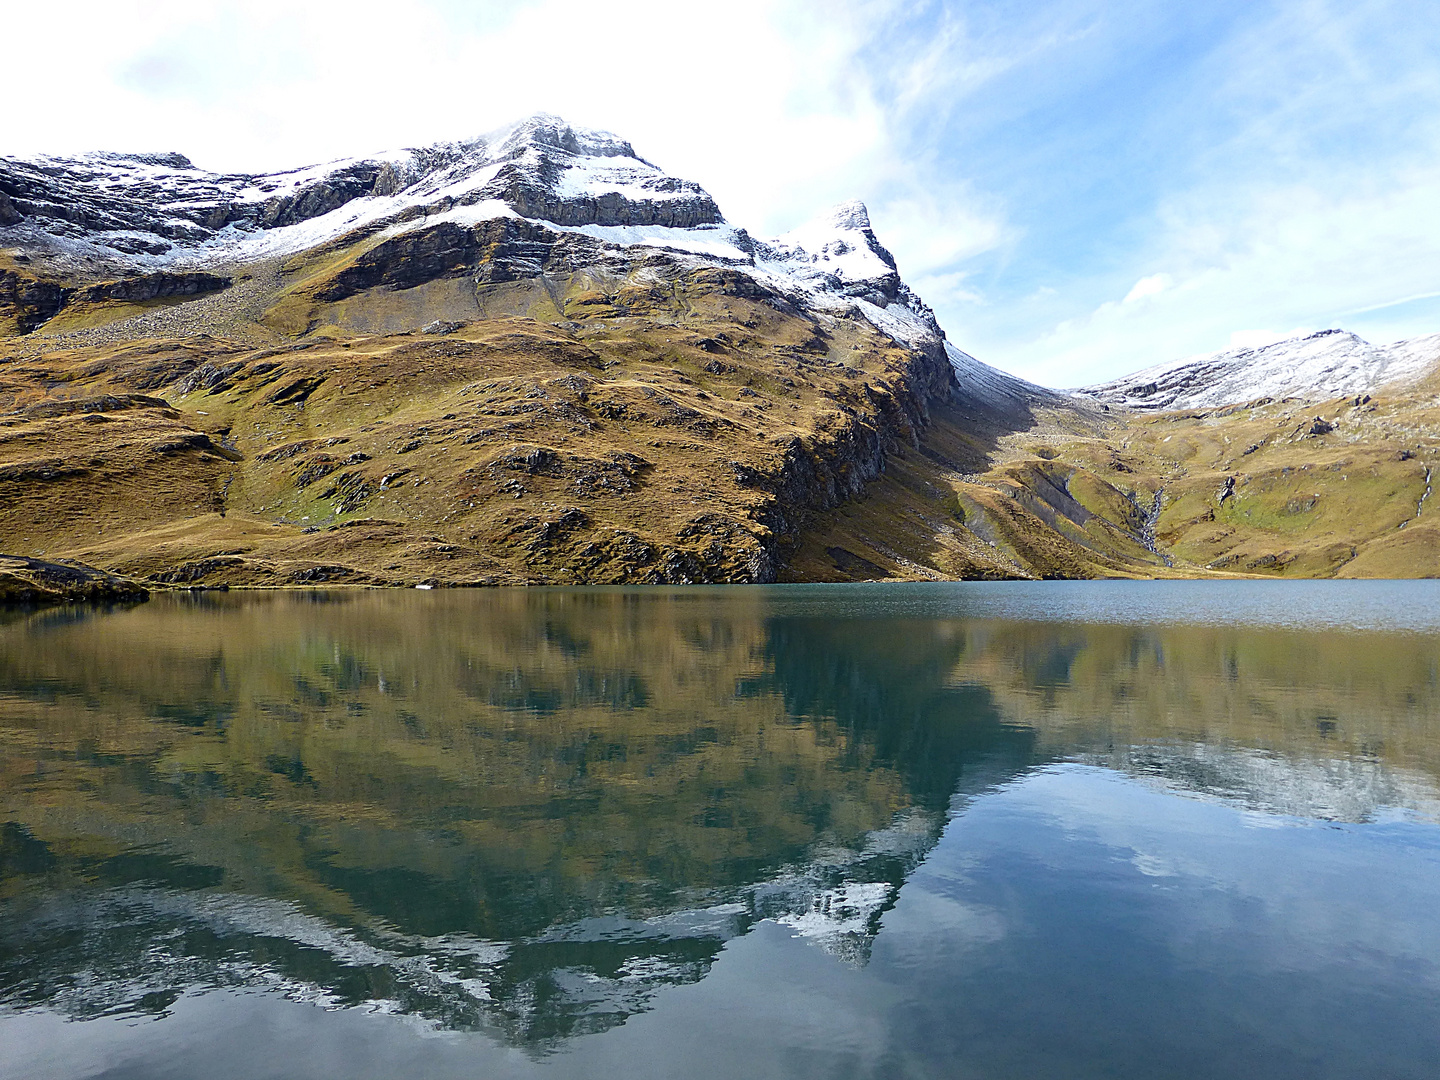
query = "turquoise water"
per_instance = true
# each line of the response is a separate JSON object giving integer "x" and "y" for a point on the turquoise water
{"x": 992, "y": 830}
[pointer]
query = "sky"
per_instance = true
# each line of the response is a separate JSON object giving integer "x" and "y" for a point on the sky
{"x": 1080, "y": 188}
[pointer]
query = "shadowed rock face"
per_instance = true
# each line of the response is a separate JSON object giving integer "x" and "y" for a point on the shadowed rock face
{"x": 152, "y": 287}
{"x": 28, "y": 301}
{"x": 9, "y": 215}
{"x": 495, "y": 251}
{"x": 532, "y": 193}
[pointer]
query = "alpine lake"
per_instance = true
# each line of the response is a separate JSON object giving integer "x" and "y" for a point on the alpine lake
{"x": 972, "y": 830}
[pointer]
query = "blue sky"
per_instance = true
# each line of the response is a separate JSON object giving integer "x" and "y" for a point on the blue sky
{"x": 1080, "y": 188}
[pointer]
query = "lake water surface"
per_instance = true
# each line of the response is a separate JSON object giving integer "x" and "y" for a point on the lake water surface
{"x": 989, "y": 830}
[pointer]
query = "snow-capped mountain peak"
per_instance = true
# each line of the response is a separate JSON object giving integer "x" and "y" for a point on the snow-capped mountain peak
{"x": 837, "y": 255}
{"x": 840, "y": 241}
{"x": 122, "y": 213}
{"x": 156, "y": 211}
{"x": 544, "y": 130}
{"x": 112, "y": 215}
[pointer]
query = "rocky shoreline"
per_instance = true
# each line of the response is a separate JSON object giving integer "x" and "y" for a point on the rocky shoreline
{"x": 35, "y": 582}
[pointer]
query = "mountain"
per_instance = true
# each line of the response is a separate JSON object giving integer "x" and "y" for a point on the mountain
{"x": 532, "y": 356}
{"x": 154, "y": 211}
{"x": 536, "y": 357}
{"x": 154, "y": 219}
{"x": 1332, "y": 363}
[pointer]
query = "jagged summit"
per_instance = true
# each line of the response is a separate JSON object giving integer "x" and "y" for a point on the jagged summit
{"x": 545, "y": 130}
{"x": 836, "y": 256}
{"x": 848, "y": 215}
{"x": 842, "y": 240}
{"x": 1327, "y": 364}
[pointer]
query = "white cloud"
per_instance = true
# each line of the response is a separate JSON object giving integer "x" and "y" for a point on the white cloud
{"x": 1288, "y": 181}
{"x": 937, "y": 232}
{"x": 950, "y": 289}
{"x": 756, "y": 100}
{"x": 1148, "y": 286}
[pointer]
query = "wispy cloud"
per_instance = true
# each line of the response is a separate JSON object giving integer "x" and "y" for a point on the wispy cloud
{"x": 1148, "y": 286}
{"x": 1289, "y": 179}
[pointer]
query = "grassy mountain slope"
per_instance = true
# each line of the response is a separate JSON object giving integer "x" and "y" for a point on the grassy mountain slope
{"x": 571, "y": 413}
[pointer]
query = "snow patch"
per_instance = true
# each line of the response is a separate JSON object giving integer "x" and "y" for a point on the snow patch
{"x": 983, "y": 383}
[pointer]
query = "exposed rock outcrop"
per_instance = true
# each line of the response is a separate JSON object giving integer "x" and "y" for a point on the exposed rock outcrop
{"x": 155, "y": 286}
{"x": 35, "y": 581}
{"x": 28, "y": 301}
{"x": 505, "y": 249}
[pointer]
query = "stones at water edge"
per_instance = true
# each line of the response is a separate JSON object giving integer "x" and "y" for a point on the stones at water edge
{"x": 35, "y": 581}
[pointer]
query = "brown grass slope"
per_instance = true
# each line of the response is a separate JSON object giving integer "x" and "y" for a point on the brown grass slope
{"x": 571, "y": 413}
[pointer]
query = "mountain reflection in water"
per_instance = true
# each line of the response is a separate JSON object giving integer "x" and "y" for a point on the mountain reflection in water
{"x": 529, "y": 812}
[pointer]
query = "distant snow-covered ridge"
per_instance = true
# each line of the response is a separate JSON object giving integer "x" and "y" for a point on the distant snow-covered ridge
{"x": 1332, "y": 363}
{"x": 115, "y": 214}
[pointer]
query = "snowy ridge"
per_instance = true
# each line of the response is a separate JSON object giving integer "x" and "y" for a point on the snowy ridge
{"x": 840, "y": 245}
{"x": 1348, "y": 789}
{"x": 157, "y": 211}
{"x": 836, "y": 258}
{"x": 1332, "y": 363}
